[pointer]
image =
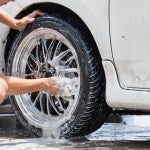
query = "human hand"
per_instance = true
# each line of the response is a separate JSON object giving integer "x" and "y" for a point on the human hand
{"x": 61, "y": 86}
{"x": 52, "y": 86}
{"x": 4, "y": 2}
{"x": 67, "y": 87}
{"x": 20, "y": 24}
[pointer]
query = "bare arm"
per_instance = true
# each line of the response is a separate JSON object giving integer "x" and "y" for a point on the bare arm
{"x": 18, "y": 24}
{"x": 7, "y": 19}
{"x": 17, "y": 85}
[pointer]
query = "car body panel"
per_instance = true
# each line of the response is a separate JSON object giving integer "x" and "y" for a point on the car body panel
{"x": 87, "y": 10}
{"x": 130, "y": 34}
{"x": 121, "y": 98}
{"x": 2, "y": 62}
{"x": 95, "y": 14}
{"x": 4, "y": 30}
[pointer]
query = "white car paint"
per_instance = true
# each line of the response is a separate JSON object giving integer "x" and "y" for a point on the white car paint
{"x": 123, "y": 90}
{"x": 118, "y": 97}
{"x": 130, "y": 34}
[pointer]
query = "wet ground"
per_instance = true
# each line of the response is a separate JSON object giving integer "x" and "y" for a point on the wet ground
{"x": 119, "y": 132}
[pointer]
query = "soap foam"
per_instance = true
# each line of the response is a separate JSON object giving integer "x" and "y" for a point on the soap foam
{"x": 67, "y": 86}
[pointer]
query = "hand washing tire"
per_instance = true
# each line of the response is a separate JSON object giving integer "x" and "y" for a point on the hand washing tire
{"x": 55, "y": 47}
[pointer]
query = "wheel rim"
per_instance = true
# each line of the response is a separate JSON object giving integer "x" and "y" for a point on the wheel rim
{"x": 43, "y": 53}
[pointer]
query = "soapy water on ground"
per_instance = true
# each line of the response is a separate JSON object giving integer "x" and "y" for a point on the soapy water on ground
{"x": 51, "y": 132}
{"x": 134, "y": 134}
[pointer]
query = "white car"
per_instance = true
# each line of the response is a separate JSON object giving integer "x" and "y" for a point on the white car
{"x": 103, "y": 44}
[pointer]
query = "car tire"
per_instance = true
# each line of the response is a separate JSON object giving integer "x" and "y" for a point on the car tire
{"x": 88, "y": 109}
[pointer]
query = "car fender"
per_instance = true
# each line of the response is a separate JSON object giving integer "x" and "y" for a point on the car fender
{"x": 94, "y": 15}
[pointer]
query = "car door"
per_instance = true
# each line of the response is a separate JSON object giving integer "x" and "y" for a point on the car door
{"x": 130, "y": 39}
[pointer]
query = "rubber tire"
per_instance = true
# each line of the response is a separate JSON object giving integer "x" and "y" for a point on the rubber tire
{"x": 92, "y": 110}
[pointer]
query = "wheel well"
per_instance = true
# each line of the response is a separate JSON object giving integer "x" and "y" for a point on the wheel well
{"x": 53, "y": 9}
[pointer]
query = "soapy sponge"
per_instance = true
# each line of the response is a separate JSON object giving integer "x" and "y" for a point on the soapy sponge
{"x": 67, "y": 86}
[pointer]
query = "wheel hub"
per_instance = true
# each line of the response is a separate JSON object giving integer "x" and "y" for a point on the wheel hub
{"x": 49, "y": 71}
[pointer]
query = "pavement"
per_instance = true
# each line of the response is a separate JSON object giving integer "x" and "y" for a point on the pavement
{"x": 119, "y": 132}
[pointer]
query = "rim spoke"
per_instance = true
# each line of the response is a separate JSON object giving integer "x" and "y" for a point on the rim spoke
{"x": 69, "y": 61}
{"x": 60, "y": 103}
{"x": 37, "y": 52}
{"x": 53, "y": 105}
{"x": 41, "y": 103}
{"x": 33, "y": 58}
{"x": 48, "y": 105}
{"x": 37, "y": 98}
{"x": 30, "y": 74}
{"x": 60, "y": 56}
{"x": 44, "y": 47}
{"x": 57, "y": 49}
{"x": 30, "y": 67}
{"x": 50, "y": 49}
